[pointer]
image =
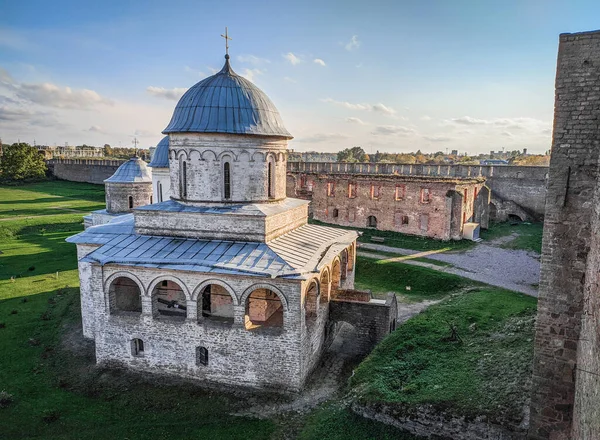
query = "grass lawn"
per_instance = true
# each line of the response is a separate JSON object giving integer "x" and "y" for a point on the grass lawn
{"x": 487, "y": 372}
{"x": 404, "y": 241}
{"x": 57, "y": 393}
{"x": 526, "y": 236}
{"x": 390, "y": 276}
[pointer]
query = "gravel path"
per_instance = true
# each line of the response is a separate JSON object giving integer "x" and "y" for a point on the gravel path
{"x": 510, "y": 269}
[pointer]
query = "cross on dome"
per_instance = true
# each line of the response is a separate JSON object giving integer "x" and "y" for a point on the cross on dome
{"x": 226, "y": 36}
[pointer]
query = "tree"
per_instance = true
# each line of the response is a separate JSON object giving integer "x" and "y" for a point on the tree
{"x": 22, "y": 162}
{"x": 108, "y": 151}
{"x": 354, "y": 154}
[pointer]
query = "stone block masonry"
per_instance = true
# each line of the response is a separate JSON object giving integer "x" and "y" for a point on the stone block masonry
{"x": 566, "y": 369}
{"x": 84, "y": 170}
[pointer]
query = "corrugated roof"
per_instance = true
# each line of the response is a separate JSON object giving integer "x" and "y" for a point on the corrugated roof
{"x": 160, "y": 159}
{"x": 292, "y": 254}
{"x": 226, "y": 103}
{"x": 134, "y": 170}
{"x": 251, "y": 209}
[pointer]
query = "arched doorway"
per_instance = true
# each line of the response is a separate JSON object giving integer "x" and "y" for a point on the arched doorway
{"x": 215, "y": 303}
{"x": 125, "y": 296}
{"x": 169, "y": 301}
{"x": 310, "y": 304}
{"x": 263, "y": 309}
{"x": 371, "y": 221}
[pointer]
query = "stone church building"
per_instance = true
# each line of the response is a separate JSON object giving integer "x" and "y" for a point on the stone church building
{"x": 205, "y": 268}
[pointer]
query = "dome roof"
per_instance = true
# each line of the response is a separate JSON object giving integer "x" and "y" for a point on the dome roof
{"x": 226, "y": 103}
{"x": 134, "y": 170}
{"x": 160, "y": 159}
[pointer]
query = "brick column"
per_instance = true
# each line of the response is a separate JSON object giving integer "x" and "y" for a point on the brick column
{"x": 566, "y": 243}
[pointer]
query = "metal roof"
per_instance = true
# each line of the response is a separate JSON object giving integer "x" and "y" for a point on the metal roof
{"x": 226, "y": 103}
{"x": 134, "y": 170}
{"x": 301, "y": 251}
{"x": 249, "y": 209}
{"x": 160, "y": 159}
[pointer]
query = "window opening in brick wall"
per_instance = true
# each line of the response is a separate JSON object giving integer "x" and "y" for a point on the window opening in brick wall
{"x": 400, "y": 190}
{"x": 330, "y": 189}
{"x": 424, "y": 220}
{"x": 215, "y": 304}
{"x": 351, "y": 190}
{"x": 371, "y": 221}
{"x": 130, "y": 200}
{"x": 137, "y": 347}
{"x": 425, "y": 195}
{"x": 335, "y": 213}
{"x": 375, "y": 191}
{"x": 201, "y": 356}
{"x": 466, "y": 197}
{"x": 160, "y": 194}
{"x": 263, "y": 309}
{"x": 271, "y": 178}
{"x": 351, "y": 215}
{"x": 169, "y": 301}
{"x": 125, "y": 296}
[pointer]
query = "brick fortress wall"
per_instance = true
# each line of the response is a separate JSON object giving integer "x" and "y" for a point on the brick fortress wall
{"x": 566, "y": 370}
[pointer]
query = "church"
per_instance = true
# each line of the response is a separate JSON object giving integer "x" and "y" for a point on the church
{"x": 202, "y": 267}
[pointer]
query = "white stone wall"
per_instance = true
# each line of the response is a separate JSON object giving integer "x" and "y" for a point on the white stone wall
{"x": 161, "y": 180}
{"x": 249, "y": 158}
{"x": 214, "y": 226}
{"x": 267, "y": 358}
{"x": 88, "y": 306}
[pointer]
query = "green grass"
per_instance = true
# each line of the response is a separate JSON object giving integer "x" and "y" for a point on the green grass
{"x": 330, "y": 422}
{"x": 57, "y": 393}
{"x": 487, "y": 373}
{"x": 390, "y": 276}
{"x": 404, "y": 241}
{"x": 527, "y": 236}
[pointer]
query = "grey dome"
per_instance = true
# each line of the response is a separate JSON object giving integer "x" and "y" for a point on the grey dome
{"x": 134, "y": 170}
{"x": 160, "y": 159}
{"x": 226, "y": 103}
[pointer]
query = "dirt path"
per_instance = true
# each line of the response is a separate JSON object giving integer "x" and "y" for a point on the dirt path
{"x": 510, "y": 269}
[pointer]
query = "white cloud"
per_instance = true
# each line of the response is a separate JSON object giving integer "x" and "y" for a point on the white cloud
{"x": 425, "y": 118}
{"x": 506, "y": 134}
{"x": 51, "y": 95}
{"x": 353, "y": 43}
{"x": 353, "y": 120}
{"x": 319, "y": 61}
{"x": 379, "y": 107}
{"x": 250, "y": 73}
{"x": 293, "y": 59}
{"x": 530, "y": 124}
{"x": 392, "y": 130}
{"x": 95, "y": 129}
{"x": 323, "y": 137}
{"x": 252, "y": 59}
{"x": 144, "y": 133}
{"x": 171, "y": 94}
{"x": 194, "y": 71}
{"x": 290, "y": 80}
{"x": 437, "y": 138}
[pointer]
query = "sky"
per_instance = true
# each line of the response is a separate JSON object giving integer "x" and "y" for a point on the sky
{"x": 390, "y": 76}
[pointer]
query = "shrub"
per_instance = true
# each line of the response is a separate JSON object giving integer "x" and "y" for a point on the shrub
{"x": 5, "y": 399}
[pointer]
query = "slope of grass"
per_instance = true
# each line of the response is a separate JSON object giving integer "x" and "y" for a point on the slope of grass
{"x": 404, "y": 241}
{"x": 381, "y": 276}
{"x": 486, "y": 370}
{"x": 526, "y": 236}
{"x": 330, "y": 422}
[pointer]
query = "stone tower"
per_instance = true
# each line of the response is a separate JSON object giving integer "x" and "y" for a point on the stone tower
{"x": 129, "y": 187}
{"x": 566, "y": 370}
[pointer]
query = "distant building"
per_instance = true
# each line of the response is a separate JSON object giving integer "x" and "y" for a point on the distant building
{"x": 69, "y": 152}
{"x": 454, "y": 153}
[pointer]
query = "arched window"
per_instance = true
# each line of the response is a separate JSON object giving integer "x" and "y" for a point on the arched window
{"x": 159, "y": 192}
{"x": 263, "y": 309}
{"x": 201, "y": 356}
{"x": 336, "y": 276}
{"x": 336, "y": 213}
{"x": 324, "y": 288}
{"x": 310, "y": 304}
{"x": 151, "y": 200}
{"x": 215, "y": 304}
{"x": 137, "y": 347}
{"x": 124, "y": 297}
{"x": 271, "y": 177}
{"x": 371, "y": 221}
{"x": 226, "y": 181}
{"x": 130, "y": 200}
{"x": 168, "y": 301}
{"x": 183, "y": 189}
